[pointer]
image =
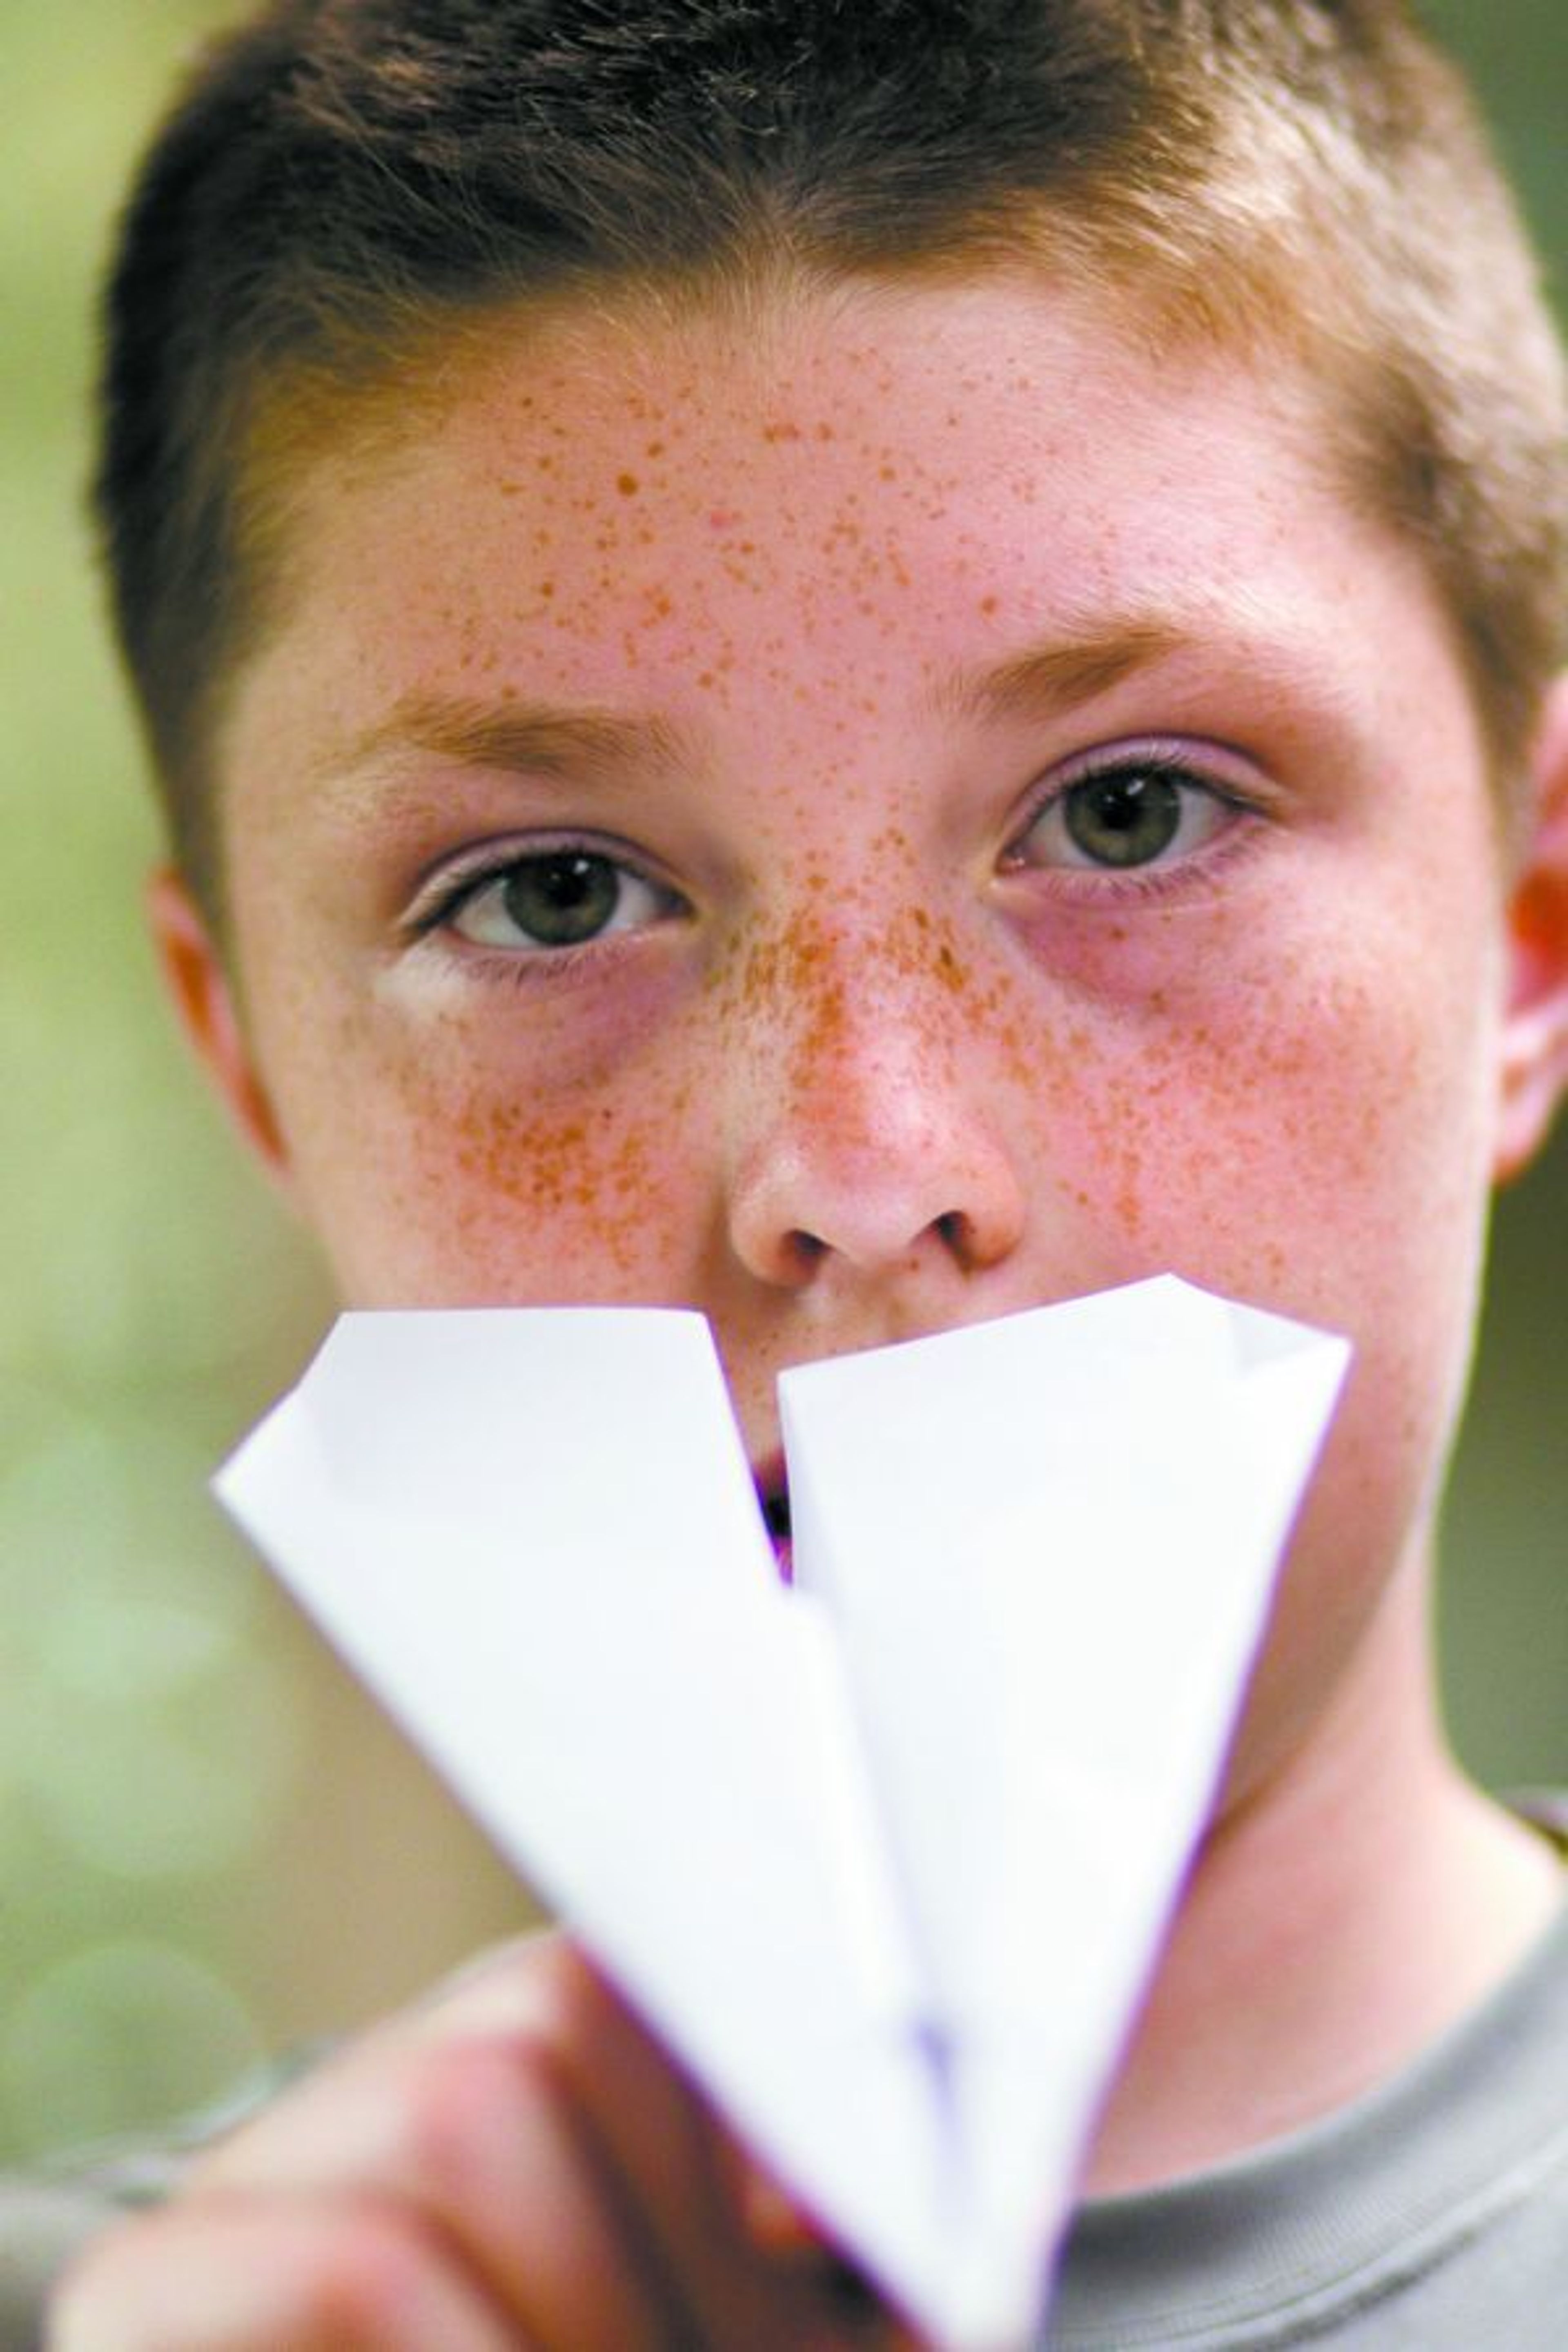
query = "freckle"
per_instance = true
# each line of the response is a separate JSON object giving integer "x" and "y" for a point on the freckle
{"x": 627, "y": 485}
{"x": 656, "y": 449}
{"x": 547, "y": 588}
{"x": 988, "y": 603}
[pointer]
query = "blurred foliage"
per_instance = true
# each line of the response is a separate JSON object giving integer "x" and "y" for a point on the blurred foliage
{"x": 1504, "y": 1617}
{"x": 208, "y": 1840}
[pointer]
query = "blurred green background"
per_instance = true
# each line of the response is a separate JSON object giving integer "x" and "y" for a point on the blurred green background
{"x": 209, "y": 1844}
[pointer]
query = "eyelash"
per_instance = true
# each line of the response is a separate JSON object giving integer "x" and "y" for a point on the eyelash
{"x": 1177, "y": 761}
{"x": 438, "y": 904}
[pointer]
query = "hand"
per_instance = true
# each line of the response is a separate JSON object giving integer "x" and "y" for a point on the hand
{"x": 513, "y": 2164}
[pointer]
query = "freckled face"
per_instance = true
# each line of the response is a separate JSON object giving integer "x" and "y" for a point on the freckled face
{"x": 875, "y": 824}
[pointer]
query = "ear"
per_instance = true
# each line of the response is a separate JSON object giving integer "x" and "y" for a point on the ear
{"x": 1534, "y": 1069}
{"x": 202, "y": 996}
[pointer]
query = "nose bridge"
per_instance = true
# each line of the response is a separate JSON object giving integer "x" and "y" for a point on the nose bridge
{"x": 855, "y": 1016}
{"x": 864, "y": 1126}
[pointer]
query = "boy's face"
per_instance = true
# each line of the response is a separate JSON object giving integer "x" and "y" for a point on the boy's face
{"x": 870, "y": 823}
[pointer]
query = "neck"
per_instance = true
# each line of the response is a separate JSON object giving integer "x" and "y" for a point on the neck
{"x": 1340, "y": 1918}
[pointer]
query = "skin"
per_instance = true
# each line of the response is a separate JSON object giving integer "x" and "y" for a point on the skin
{"x": 872, "y": 1049}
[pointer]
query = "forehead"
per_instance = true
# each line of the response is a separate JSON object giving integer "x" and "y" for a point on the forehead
{"x": 821, "y": 511}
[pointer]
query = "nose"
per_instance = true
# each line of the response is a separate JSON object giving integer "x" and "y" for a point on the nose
{"x": 865, "y": 1139}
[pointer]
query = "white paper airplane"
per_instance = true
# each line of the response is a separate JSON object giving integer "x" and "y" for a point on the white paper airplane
{"x": 886, "y": 1856}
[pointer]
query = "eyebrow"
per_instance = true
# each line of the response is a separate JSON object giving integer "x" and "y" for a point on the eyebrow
{"x": 521, "y": 737}
{"x": 1046, "y": 680}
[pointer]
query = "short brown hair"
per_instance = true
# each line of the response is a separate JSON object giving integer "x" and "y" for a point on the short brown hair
{"x": 340, "y": 175}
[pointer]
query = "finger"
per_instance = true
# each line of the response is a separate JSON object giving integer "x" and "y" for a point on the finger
{"x": 658, "y": 2140}
{"x": 786, "y": 2285}
{"x": 485, "y": 2136}
{"x": 254, "y": 2274}
{"x": 773, "y": 2219}
{"x": 786, "y": 2231}
{"x": 651, "y": 2132}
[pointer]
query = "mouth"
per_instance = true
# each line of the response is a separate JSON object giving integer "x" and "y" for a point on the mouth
{"x": 773, "y": 1501}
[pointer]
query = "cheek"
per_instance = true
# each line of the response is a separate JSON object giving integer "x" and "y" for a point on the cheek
{"x": 463, "y": 1179}
{"x": 1295, "y": 1109}
{"x": 564, "y": 1206}
{"x": 1325, "y": 1157}
{"x": 1315, "y": 1138}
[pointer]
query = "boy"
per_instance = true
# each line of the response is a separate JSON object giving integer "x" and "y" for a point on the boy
{"x": 861, "y": 668}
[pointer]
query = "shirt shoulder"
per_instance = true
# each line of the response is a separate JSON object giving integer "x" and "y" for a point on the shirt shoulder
{"x": 1431, "y": 2214}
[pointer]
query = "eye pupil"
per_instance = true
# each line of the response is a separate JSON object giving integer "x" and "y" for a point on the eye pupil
{"x": 1125, "y": 818}
{"x": 562, "y": 899}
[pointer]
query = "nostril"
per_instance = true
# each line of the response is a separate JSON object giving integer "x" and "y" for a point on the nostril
{"x": 958, "y": 1236}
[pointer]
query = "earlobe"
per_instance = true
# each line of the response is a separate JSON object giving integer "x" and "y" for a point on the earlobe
{"x": 1534, "y": 1067}
{"x": 202, "y": 996}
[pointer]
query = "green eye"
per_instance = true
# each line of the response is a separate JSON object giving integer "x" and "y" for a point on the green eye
{"x": 1138, "y": 812}
{"x": 1128, "y": 818}
{"x": 556, "y": 899}
{"x": 562, "y": 901}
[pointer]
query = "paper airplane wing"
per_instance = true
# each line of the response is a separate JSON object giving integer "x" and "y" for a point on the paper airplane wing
{"x": 1049, "y": 1546}
{"x": 533, "y": 1535}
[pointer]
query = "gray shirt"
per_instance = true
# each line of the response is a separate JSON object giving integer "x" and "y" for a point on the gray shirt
{"x": 1431, "y": 2216}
